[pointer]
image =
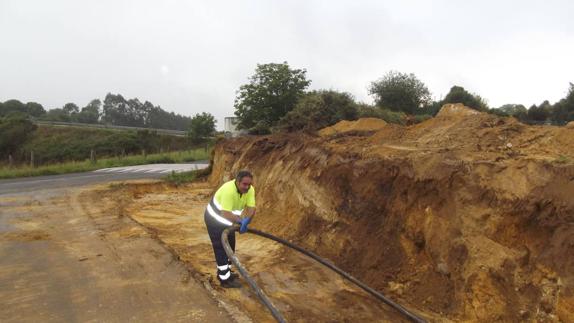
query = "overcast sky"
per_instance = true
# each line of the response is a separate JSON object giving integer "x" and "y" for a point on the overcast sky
{"x": 192, "y": 56}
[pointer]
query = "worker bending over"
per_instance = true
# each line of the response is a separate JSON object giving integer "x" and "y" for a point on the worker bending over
{"x": 233, "y": 203}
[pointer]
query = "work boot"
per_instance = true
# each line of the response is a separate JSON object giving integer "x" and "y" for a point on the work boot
{"x": 230, "y": 283}
{"x": 233, "y": 275}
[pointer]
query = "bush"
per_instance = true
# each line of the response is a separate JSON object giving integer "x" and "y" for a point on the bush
{"x": 201, "y": 126}
{"x": 400, "y": 92}
{"x": 13, "y": 133}
{"x": 458, "y": 94}
{"x": 319, "y": 109}
{"x": 366, "y": 111}
{"x": 421, "y": 117}
{"x": 181, "y": 178}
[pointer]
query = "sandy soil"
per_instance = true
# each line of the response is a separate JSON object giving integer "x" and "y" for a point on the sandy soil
{"x": 302, "y": 289}
{"x": 70, "y": 256}
{"x": 466, "y": 216}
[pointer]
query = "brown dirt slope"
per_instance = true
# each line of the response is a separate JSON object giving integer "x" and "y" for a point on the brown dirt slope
{"x": 468, "y": 216}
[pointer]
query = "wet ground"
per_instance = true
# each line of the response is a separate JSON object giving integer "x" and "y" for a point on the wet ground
{"x": 138, "y": 251}
{"x": 67, "y": 256}
{"x": 302, "y": 289}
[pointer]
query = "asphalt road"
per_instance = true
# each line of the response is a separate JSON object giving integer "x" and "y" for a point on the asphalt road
{"x": 29, "y": 184}
{"x": 67, "y": 254}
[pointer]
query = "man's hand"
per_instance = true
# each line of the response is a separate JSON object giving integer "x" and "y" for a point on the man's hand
{"x": 244, "y": 224}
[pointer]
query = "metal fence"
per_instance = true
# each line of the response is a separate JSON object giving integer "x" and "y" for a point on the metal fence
{"x": 106, "y": 126}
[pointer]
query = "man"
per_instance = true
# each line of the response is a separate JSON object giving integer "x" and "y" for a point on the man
{"x": 233, "y": 203}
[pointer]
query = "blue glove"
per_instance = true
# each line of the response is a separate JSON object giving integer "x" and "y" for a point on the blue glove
{"x": 244, "y": 224}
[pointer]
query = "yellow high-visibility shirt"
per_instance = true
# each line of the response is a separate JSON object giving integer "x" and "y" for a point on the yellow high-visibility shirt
{"x": 229, "y": 198}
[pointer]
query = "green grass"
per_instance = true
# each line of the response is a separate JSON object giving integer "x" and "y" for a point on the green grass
{"x": 62, "y": 144}
{"x": 187, "y": 177}
{"x": 562, "y": 160}
{"x": 181, "y": 178}
{"x": 84, "y": 166}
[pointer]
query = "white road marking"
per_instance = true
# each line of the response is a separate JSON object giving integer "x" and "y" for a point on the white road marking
{"x": 154, "y": 168}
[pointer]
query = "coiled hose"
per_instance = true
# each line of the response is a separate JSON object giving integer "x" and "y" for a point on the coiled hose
{"x": 265, "y": 300}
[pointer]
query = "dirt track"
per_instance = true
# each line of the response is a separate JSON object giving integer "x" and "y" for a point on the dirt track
{"x": 68, "y": 256}
{"x": 303, "y": 290}
{"x": 140, "y": 252}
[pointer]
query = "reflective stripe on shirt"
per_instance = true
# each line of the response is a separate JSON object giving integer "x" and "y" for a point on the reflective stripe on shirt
{"x": 214, "y": 209}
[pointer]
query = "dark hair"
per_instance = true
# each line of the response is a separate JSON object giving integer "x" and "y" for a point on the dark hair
{"x": 243, "y": 173}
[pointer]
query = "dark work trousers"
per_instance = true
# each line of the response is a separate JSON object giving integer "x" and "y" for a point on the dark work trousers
{"x": 215, "y": 229}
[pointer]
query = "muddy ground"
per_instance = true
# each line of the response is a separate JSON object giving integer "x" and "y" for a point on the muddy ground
{"x": 138, "y": 251}
{"x": 67, "y": 255}
{"x": 301, "y": 289}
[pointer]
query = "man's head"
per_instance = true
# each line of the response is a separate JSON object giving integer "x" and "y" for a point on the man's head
{"x": 243, "y": 181}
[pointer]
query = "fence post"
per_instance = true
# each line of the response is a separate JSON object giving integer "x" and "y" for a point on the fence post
{"x": 93, "y": 156}
{"x": 10, "y": 160}
{"x": 144, "y": 153}
{"x": 32, "y": 158}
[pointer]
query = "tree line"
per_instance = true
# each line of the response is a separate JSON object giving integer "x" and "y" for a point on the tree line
{"x": 17, "y": 128}
{"x": 276, "y": 99}
{"x": 114, "y": 110}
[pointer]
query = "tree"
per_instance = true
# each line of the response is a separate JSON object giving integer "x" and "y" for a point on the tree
{"x": 271, "y": 93}
{"x": 13, "y": 133}
{"x": 319, "y": 109}
{"x": 400, "y": 92}
{"x": 430, "y": 109}
{"x": 147, "y": 139}
{"x": 115, "y": 110}
{"x": 12, "y": 106}
{"x": 35, "y": 109}
{"x": 57, "y": 115}
{"x": 201, "y": 126}
{"x": 136, "y": 113}
{"x": 458, "y": 94}
{"x": 539, "y": 114}
{"x": 91, "y": 112}
{"x": 70, "y": 108}
{"x": 512, "y": 109}
{"x": 563, "y": 110}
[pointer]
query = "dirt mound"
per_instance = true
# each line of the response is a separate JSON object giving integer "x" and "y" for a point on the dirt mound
{"x": 467, "y": 216}
{"x": 455, "y": 110}
{"x": 361, "y": 125}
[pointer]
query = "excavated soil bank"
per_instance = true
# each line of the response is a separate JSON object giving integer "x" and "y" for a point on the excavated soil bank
{"x": 302, "y": 289}
{"x": 466, "y": 216}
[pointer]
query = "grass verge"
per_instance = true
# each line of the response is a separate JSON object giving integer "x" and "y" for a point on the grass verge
{"x": 178, "y": 179}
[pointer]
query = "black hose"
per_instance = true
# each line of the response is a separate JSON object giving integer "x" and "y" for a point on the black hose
{"x": 413, "y": 317}
{"x": 231, "y": 255}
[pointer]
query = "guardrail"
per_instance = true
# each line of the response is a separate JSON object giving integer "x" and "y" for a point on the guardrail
{"x": 106, "y": 126}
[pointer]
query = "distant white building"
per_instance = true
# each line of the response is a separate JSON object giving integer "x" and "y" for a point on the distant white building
{"x": 230, "y": 127}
